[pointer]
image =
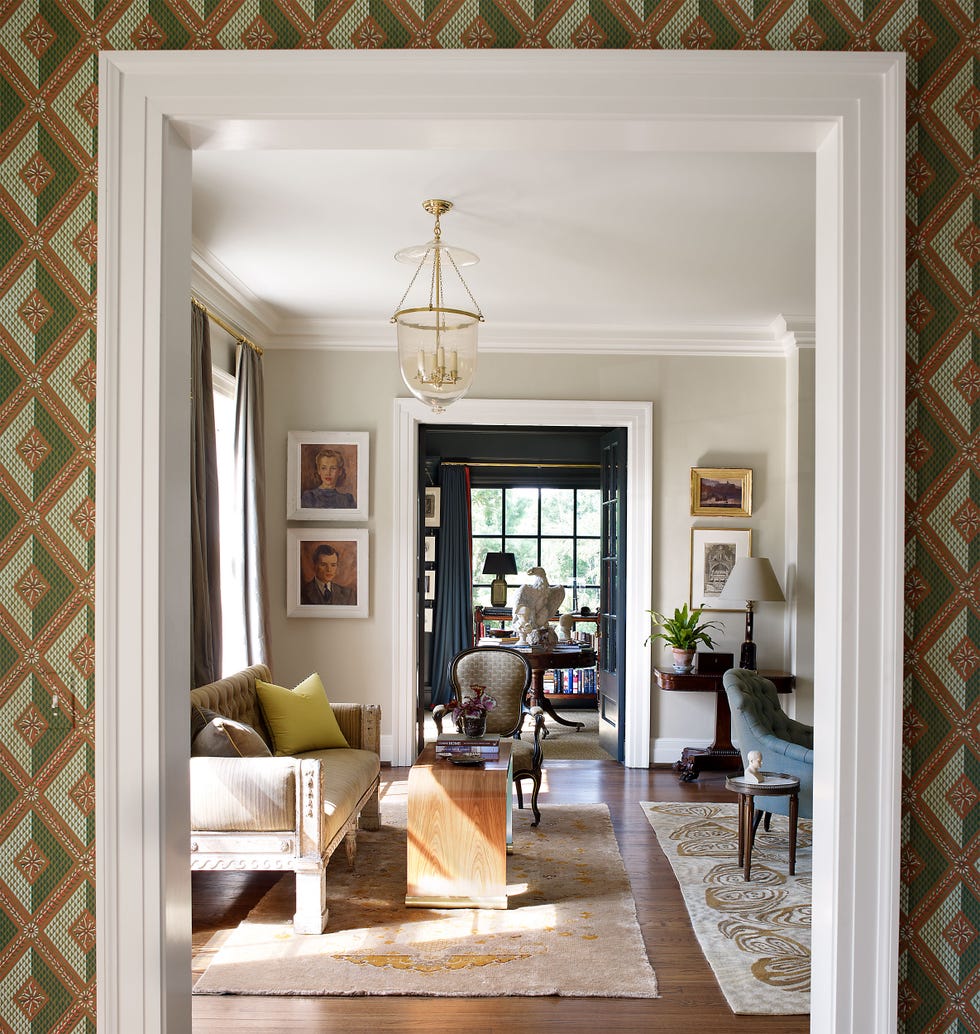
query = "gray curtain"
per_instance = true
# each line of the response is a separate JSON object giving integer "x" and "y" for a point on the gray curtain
{"x": 250, "y": 488}
{"x": 205, "y": 529}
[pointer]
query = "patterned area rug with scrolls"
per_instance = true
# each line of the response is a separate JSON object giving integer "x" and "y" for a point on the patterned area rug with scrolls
{"x": 570, "y": 927}
{"x": 756, "y": 935}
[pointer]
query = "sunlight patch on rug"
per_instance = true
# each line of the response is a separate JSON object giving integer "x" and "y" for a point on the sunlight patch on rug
{"x": 570, "y": 912}
{"x": 755, "y": 935}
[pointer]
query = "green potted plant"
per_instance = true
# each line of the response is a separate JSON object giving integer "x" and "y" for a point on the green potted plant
{"x": 682, "y": 633}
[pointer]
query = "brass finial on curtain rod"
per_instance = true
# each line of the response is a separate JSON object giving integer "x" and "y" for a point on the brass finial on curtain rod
{"x": 234, "y": 331}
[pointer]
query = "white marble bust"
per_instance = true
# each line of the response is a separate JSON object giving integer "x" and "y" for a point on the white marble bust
{"x": 753, "y": 771}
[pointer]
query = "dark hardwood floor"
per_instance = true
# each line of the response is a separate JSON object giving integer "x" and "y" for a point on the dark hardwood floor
{"x": 690, "y": 999}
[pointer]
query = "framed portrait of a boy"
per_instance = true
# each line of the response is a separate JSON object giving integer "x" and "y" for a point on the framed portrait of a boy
{"x": 327, "y": 476}
{"x": 327, "y": 573}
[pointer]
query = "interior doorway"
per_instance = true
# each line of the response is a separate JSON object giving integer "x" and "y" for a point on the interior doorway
{"x": 846, "y": 108}
{"x": 535, "y": 496}
{"x": 636, "y": 419}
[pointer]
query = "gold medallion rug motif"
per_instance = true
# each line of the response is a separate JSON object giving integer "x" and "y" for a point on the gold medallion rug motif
{"x": 755, "y": 935}
{"x": 570, "y": 927}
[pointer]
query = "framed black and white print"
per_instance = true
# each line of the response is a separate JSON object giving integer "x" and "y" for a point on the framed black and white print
{"x": 431, "y": 507}
{"x": 327, "y": 476}
{"x": 713, "y": 555}
{"x": 429, "y": 552}
{"x": 327, "y": 573}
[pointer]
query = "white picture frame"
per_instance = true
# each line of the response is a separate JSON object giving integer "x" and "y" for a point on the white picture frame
{"x": 429, "y": 549}
{"x": 427, "y": 620}
{"x": 714, "y": 552}
{"x": 430, "y": 585}
{"x": 309, "y": 495}
{"x": 350, "y": 572}
{"x": 431, "y": 506}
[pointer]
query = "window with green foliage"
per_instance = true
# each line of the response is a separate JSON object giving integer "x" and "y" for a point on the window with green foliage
{"x": 553, "y": 528}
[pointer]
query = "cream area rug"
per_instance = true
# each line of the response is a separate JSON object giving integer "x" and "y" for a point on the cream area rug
{"x": 570, "y": 927}
{"x": 564, "y": 744}
{"x": 756, "y": 935}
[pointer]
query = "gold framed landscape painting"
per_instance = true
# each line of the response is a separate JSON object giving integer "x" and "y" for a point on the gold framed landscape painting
{"x": 721, "y": 492}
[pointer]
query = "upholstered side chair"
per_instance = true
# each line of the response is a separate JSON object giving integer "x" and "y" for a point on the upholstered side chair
{"x": 759, "y": 723}
{"x": 506, "y": 676}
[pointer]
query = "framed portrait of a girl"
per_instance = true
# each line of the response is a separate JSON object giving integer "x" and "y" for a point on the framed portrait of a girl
{"x": 327, "y": 476}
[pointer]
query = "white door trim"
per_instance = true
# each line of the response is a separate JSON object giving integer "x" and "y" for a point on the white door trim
{"x": 847, "y": 109}
{"x": 637, "y": 418}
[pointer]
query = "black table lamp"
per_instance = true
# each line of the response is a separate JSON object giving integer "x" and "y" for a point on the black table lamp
{"x": 752, "y": 579}
{"x": 499, "y": 565}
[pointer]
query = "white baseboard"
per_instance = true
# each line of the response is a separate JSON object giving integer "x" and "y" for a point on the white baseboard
{"x": 386, "y": 752}
{"x": 667, "y": 751}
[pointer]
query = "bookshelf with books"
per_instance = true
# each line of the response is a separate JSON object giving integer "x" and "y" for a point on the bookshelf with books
{"x": 572, "y": 687}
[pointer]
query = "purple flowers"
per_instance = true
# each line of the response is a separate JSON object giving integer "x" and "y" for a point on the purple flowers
{"x": 476, "y": 705}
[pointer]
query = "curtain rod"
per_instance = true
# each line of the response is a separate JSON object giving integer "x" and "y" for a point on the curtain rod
{"x": 519, "y": 463}
{"x": 234, "y": 331}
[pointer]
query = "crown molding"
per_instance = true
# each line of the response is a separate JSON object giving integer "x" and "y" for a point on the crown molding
{"x": 761, "y": 340}
{"x": 216, "y": 285}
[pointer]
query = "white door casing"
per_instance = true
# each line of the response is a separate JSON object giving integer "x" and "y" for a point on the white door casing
{"x": 155, "y": 108}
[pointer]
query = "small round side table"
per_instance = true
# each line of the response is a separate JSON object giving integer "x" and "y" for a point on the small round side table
{"x": 776, "y": 785}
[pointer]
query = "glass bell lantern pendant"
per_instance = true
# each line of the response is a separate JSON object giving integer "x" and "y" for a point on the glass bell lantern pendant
{"x": 437, "y": 329}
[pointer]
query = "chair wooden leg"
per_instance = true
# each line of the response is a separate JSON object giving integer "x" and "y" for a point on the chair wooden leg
{"x": 536, "y": 783}
{"x": 520, "y": 793}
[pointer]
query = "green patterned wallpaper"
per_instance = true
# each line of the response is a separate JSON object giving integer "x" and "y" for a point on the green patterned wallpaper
{"x": 48, "y": 241}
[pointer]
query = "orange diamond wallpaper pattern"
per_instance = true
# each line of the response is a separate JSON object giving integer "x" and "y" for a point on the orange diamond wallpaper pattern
{"x": 48, "y": 249}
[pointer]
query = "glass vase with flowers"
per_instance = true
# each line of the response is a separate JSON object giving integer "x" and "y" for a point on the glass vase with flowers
{"x": 470, "y": 713}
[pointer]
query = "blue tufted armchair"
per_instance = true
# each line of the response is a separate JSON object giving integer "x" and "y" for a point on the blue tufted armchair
{"x": 759, "y": 723}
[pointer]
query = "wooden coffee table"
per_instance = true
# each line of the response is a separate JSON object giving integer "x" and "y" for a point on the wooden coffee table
{"x": 459, "y": 831}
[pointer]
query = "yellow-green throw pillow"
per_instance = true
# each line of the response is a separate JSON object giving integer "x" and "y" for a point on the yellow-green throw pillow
{"x": 299, "y": 719}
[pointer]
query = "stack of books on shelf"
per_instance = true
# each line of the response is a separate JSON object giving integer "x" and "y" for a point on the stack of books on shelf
{"x": 450, "y": 744}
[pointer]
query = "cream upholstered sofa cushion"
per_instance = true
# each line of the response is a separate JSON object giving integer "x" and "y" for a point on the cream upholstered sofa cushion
{"x": 247, "y": 794}
{"x": 345, "y": 775}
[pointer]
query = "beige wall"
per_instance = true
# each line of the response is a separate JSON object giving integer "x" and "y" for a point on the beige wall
{"x": 707, "y": 412}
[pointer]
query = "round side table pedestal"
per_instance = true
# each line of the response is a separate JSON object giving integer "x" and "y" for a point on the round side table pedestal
{"x": 775, "y": 784}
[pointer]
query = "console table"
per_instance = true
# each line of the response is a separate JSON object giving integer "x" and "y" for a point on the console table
{"x": 459, "y": 831}
{"x": 721, "y": 755}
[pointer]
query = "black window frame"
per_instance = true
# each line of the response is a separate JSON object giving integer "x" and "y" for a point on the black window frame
{"x": 481, "y": 581}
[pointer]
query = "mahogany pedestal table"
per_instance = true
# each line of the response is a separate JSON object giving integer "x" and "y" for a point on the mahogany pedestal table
{"x": 543, "y": 659}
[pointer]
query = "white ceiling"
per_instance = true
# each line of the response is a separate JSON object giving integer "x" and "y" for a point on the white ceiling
{"x": 599, "y": 243}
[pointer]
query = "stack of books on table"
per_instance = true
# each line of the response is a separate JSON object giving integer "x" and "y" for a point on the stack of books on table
{"x": 453, "y": 743}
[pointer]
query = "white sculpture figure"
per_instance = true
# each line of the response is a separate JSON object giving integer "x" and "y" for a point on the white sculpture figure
{"x": 566, "y": 625}
{"x": 753, "y": 771}
{"x": 536, "y": 602}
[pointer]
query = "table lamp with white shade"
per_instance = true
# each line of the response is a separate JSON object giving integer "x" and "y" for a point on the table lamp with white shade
{"x": 753, "y": 580}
